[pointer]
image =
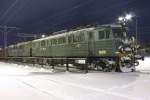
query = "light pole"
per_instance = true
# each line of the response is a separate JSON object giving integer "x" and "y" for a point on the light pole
{"x": 136, "y": 31}
{"x": 124, "y": 20}
{"x": 128, "y": 17}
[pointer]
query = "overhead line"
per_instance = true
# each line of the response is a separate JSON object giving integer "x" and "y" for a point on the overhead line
{"x": 8, "y": 10}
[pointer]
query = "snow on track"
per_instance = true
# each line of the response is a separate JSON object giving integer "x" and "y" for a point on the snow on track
{"x": 20, "y": 82}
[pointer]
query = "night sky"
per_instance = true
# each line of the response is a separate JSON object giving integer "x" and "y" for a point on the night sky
{"x": 40, "y": 16}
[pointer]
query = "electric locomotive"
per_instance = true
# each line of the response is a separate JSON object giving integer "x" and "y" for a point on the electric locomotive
{"x": 104, "y": 47}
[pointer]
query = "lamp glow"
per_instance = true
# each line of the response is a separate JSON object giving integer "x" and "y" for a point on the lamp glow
{"x": 120, "y": 18}
{"x": 128, "y": 17}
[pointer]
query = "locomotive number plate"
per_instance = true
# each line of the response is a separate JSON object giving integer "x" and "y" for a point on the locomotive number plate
{"x": 102, "y": 52}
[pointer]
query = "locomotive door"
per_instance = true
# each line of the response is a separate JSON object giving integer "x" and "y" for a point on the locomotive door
{"x": 91, "y": 43}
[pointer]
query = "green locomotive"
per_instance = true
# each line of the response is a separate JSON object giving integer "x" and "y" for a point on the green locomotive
{"x": 105, "y": 47}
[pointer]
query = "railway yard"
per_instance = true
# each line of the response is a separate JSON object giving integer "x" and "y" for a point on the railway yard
{"x": 25, "y": 82}
{"x": 74, "y": 50}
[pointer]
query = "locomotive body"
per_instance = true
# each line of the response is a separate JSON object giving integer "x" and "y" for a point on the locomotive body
{"x": 104, "y": 46}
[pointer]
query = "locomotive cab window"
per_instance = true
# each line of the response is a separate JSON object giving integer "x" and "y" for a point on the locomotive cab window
{"x": 101, "y": 34}
{"x": 117, "y": 32}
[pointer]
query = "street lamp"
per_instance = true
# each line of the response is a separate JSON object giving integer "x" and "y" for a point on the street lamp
{"x": 120, "y": 18}
{"x": 129, "y": 17}
{"x": 125, "y": 19}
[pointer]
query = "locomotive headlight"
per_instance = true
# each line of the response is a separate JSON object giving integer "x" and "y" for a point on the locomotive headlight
{"x": 120, "y": 48}
{"x": 126, "y": 41}
{"x": 128, "y": 49}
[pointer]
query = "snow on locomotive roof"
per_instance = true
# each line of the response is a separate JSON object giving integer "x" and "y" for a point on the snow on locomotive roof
{"x": 112, "y": 25}
{"x": 58, "y": 35}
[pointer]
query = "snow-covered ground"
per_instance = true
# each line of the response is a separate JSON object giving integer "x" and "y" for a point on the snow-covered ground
{"x": 18, "y": 82}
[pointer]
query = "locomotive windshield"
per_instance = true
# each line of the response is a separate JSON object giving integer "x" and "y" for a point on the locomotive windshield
{"x": 118, "y": 33}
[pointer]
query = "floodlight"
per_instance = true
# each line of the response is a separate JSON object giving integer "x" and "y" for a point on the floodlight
{"x": 128, "y": 17}
{"x": 120, "y": 18}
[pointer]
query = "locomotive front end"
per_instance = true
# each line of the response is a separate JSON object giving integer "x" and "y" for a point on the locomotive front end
{"x": 126, "y": 50}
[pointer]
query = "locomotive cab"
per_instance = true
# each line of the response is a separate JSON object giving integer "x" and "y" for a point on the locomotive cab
{"x": 126, "y": 49}
{"x": 118, "y": 33}
{"x": 113, "y": 47}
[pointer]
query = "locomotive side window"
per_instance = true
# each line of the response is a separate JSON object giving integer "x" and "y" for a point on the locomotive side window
{"x": 70, "y": 38}
{"x": 90, "y": 35}
{"x": 50, "y": 42}
{"x": 54, "y": 41}
{"x": 43, "y": 43}
{"x": 61, "y": 40}
{"x": 47, "y": 42}
{"x": 75, "y": 38}
{"x": 78, "y": 37}
{"x": 101, "y": 34}
{"x": 107, "y": 34}
{"x": 81, "y": 37}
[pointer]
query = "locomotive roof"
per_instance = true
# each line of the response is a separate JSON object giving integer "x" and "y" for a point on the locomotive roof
{"x": 58, "y": 35}
{"x": 111, "y": 25}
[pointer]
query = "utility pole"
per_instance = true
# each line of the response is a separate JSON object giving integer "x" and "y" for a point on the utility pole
{"x": 136, "y": 32}
{"x": 26, "y": 35}
{"x": 5, "y": 29}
